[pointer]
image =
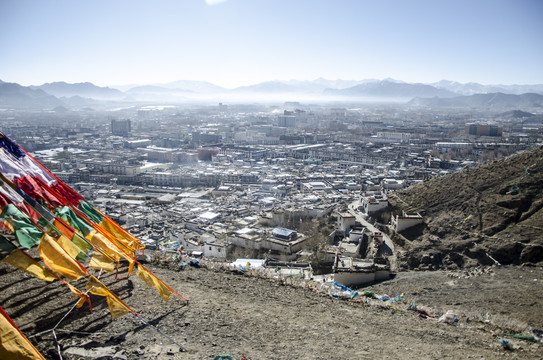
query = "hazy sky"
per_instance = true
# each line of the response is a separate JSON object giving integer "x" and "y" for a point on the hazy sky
{"x": 240, "y": 42}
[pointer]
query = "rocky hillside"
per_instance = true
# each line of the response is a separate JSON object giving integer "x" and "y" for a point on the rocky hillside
{"x": 484, "y": 215}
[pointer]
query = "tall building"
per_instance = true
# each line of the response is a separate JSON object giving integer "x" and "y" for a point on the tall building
{"x": 120, "y": 127}
{"x": 483, "y": 129}
{"x": 287, "y": 121}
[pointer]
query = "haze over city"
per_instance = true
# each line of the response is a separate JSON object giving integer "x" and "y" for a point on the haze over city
{"x": 320, "y": 179}
{"x": 235, "y": 43}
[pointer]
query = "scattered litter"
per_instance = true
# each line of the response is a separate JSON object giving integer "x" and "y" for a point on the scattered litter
{"x": 506, "y": 344}
{"x": 523, "y": 337}
{"x": 449, "y": 317}
{"x": 422, "y": 310}
{"x": 194, "y": 262}
{"x": 538, "y": 334}
{"x": 343, "y": 292}
{"x": 223, "y": 357}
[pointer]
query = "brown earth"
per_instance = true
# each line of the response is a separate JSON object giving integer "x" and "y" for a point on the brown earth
{"x": 475, "y": 216}
{"x": 258, "y": 318}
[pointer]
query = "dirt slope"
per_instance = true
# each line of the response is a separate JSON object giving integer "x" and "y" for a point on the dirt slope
{"x": 260, "y": 319}
{"x": 476, "y": 215}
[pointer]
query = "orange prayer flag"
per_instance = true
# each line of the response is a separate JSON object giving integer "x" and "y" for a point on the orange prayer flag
{"x": 63, "y": 228}
{"x": 152, "y": 281}
{"x": 117, "y": 307}
{"x": 13, "y": 344}
{"x": 26, "y": 263}
{"x": 58, "y": 260}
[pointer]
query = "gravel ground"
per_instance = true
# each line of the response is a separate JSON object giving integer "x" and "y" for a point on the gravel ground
{"x": 257, "y": 318}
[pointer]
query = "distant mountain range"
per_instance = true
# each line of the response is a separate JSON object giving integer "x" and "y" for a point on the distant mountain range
{"x": 475, "y": 88}
{"x": 441, "y": 94}
{"x": 488, "y": 101}
{"x": 390, "y": 89}
{"x": 13, "y": 95}
{"x": 86, "y": 90}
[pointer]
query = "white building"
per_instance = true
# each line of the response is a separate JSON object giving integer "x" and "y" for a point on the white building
{"x": 345, "y": 221}
{"x": 374, "y": 204}
{"x": 405, "y": 221}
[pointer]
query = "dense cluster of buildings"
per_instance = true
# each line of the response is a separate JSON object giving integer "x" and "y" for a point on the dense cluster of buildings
{"x": 226, "y": 180}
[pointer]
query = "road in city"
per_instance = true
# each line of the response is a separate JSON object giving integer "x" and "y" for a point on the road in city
{"x": 387, "y": 250}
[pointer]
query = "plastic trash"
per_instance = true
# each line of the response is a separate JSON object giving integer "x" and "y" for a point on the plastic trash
{"x": 342, "y": 292}
{"x": 506, "y": 344}
{"x": 523, "y": 337}
{"x": 449, "y": 317}
{"x": 223, "y": 357}
{"x": 195, "y": 263}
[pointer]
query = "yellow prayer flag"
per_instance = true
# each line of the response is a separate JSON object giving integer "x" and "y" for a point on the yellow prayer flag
{"x": 112, "y": 229}
{"x": 110, "y": 248}
{"x": 117, "y": 307}
{"x": 101, "y": 242}
{"x": 58, "y": 260}
{"x": 81, "y": 243}
{"x": 13, "y": 344}
{"x": 122, "y": 246}
{"x": 100, "y": 261}
{"x": 131, "y": 266}
{"x": 153, "y": 281}
{"x": 23, "y": 262}
{"x": 76, "y": 293}
{"x": 69, "y": 246}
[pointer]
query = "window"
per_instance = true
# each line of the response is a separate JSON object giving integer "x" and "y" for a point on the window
{"x": 210, "y": 248}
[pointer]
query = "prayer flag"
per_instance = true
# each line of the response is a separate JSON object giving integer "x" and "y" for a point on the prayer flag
{"x": 83, "y": 245}
{"x": 70, "y": 217}
{"x": 26, "y": 232}
{"x": 152, "y": 281}
{"x": 68, "y": 246}
{"x": 100, "y": 261}
{"x": 90, "y": 212}
{"x": 26, "y": 263}
{"x": 6, "y": 245}
{"x": 58, "y": 260}
{"x": 13, "y": 344}
{"x": 117, "y": 307}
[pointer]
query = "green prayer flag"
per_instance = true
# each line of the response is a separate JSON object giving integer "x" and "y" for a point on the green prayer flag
{"x": 83, "y": 245}
{"x": 90, "y": 212}
{"x": 69, "y": 216}
{"x": 6, "y": 245}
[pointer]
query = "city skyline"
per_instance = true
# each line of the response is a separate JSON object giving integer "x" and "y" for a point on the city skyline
{"x": 234, "y": 43}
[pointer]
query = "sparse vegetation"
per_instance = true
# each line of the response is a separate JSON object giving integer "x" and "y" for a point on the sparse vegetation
{"x": 477, "y": 216}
